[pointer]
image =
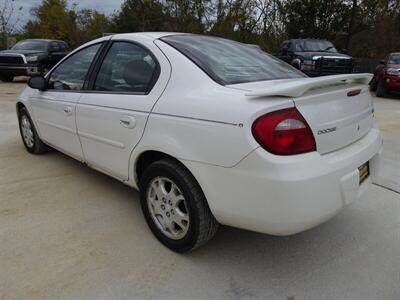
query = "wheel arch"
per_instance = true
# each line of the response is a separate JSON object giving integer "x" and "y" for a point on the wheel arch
{"x": 146, "y": 157}
{"x": 19, "y": 106}
{"x": 296, "y": 62}
{"x": 24, "y": 104}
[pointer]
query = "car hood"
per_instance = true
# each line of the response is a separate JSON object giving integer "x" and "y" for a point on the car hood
{"x": 25, "y": 52}
{"x": 310, "y": 55}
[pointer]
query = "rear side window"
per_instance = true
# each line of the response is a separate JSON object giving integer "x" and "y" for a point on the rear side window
{"x": 54, "y": 46}
{"x": 229, "y": 62}
{"x": 63, "y": 46}
{"x": 127, "y": 67}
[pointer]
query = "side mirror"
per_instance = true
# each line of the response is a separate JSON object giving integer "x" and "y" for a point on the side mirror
{"x": 37, "y": 83}
{"x": 382, "y": 62}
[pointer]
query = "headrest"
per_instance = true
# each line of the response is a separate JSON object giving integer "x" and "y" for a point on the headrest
{"x": 137, "y": 72}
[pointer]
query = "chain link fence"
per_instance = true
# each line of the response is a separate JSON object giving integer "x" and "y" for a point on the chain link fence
{"x": 365, "y": 65}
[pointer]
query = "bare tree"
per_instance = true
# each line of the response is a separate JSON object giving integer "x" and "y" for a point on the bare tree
{"x": 10, "y": 16}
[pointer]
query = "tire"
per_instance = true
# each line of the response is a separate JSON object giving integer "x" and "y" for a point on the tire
{"x": 296, "y": 63}
{"x": 381, "y": 89}
{"x": 33, "y": 144}
{"x": 197, "y": 224}
{"x": 373, "y": 84}
{"x": 7, "y": 78}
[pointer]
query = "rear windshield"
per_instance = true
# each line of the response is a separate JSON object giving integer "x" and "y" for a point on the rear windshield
{"x": 229, "y": 62}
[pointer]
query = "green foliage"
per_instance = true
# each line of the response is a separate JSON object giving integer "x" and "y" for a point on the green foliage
{"x": 140, "y": 15}
{"x": 360, "y": 26}
{"x": 54, "y": 19}
{"x": 91, "y": 25}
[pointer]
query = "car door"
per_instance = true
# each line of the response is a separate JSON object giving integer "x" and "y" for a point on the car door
{"x": 54, "y": 108}
{"x": 124, "y": 88}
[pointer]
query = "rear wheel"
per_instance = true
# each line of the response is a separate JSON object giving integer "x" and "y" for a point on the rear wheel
{"x": 6, "y": 78}
{"x": 381, "y": 90}
{"x": 175, "y": 207}
{"x": 30, "y": 138}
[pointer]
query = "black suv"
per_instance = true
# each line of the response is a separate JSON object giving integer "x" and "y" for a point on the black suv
{"x": 31, "y": 57}
{"x": 315, "y": 57}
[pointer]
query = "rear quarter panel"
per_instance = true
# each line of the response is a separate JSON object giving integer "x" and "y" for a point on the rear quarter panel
{"x": 198, "y": 120}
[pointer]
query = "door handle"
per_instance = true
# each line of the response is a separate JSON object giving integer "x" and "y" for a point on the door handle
{"x": 127, "y": 121}
{"x": 68, "y": 110}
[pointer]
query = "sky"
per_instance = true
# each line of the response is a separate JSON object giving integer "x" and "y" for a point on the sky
{"x": 106, "y": 6}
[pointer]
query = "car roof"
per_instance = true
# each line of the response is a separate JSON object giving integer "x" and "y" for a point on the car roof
{"x": 155, "y": 35}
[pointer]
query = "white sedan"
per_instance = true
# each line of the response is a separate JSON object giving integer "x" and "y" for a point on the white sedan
{"x": 210, "y": 131}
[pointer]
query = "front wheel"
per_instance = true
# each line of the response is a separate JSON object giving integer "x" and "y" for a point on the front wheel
{"x": 30, "y": 138}
{"x": 175, "y": 207}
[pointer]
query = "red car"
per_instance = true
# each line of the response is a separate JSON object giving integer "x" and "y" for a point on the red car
{"x": 387, "y": 75}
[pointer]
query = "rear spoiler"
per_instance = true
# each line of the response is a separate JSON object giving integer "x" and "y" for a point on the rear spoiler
{"x": 296, "y": 88}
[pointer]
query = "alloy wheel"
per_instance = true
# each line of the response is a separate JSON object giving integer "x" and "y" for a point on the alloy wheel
{"x": 27, "y": 132}
{"x": 167, "y": 207}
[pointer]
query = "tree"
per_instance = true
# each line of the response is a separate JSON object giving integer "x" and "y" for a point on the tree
{"x": 9, "y": 16}
{"x": 91, "y": 24}
{"x": 9, "y": 19}
{"x": 53, "y": 20}
{"x": 140, "y": 15}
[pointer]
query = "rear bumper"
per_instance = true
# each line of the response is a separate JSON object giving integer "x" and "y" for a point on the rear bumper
{"x": 20, "y": 70}
{"x": 285, "y": 195}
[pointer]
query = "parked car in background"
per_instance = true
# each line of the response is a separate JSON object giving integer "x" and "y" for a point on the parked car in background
{"x": 387, "y": 75}
{"x": 31, "y": 57}
{"x": 246, "y": 140}
{"x": 315, "y": 57}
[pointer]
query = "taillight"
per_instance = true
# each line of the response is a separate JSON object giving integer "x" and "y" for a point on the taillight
{"x": 284, "y": 132}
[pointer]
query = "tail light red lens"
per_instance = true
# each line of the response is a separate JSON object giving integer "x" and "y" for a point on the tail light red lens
{"x": 284, "y": 132}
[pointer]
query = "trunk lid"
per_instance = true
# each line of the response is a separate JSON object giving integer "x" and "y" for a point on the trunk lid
{"x": 338, "y": 108}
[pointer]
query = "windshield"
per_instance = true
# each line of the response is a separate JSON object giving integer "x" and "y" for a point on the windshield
{"x": 30, "y": 45}
{"x": 229, "y": 62}
{"x": 314, "y": 46}
{"x": 394, "y": 59}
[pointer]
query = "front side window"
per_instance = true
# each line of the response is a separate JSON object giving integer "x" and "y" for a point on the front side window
{"x": 128, "y": 68}
{"x": 71, "y": 73}
{"x": 229, "y": 62}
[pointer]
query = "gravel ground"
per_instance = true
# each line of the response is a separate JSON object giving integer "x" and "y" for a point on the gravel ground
{"x": 68, "y": 232}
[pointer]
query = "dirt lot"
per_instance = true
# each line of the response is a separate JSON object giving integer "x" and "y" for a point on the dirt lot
{"x": 68, "y": 232}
